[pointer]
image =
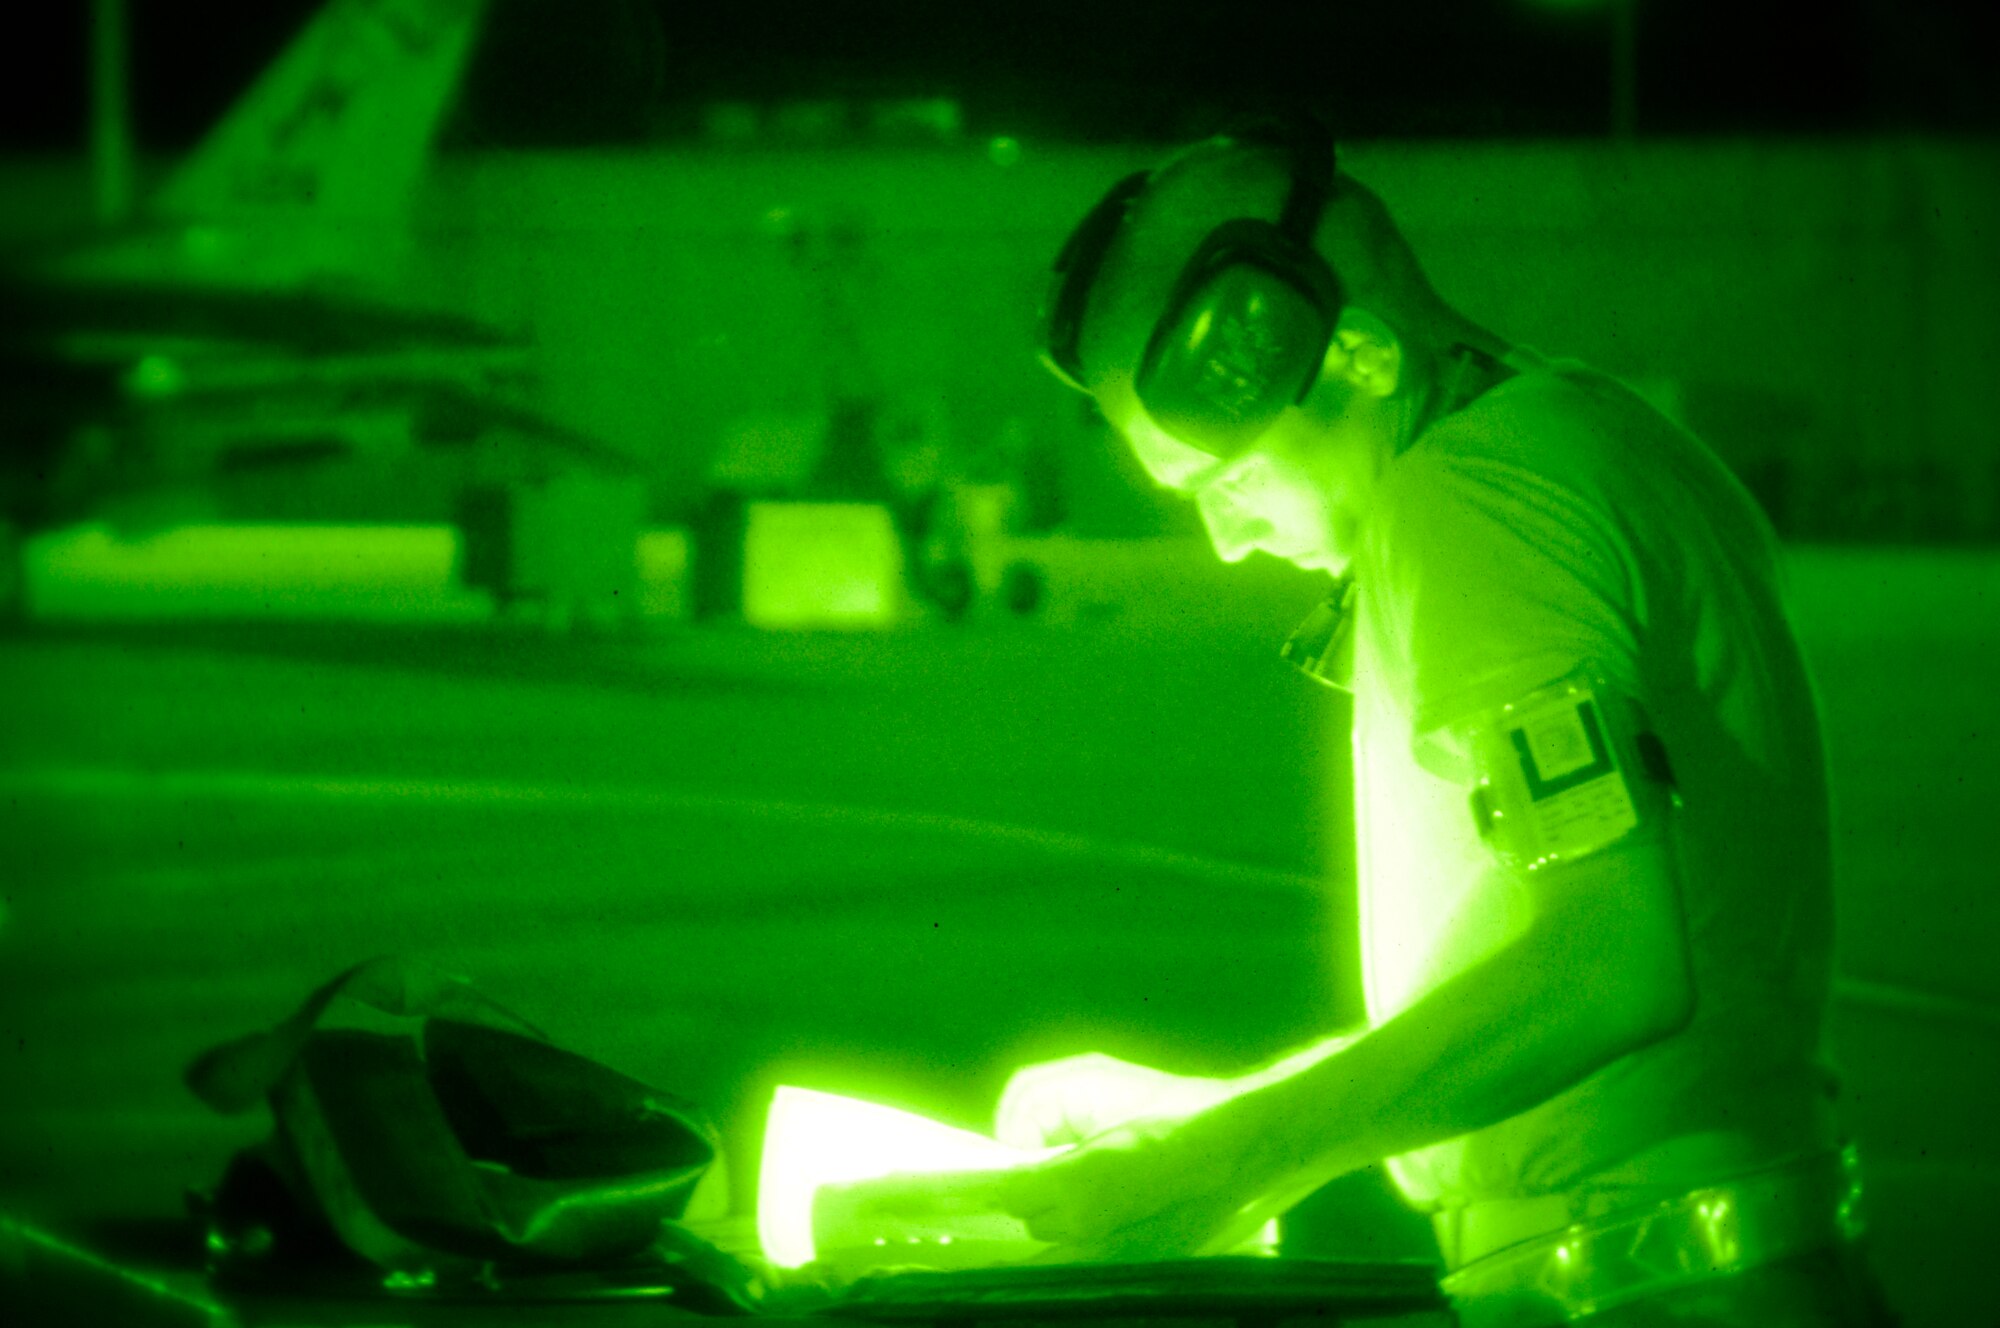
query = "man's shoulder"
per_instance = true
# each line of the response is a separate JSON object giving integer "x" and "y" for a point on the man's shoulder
{"x": 1531, "y": 474}
{"x": 1547, "y": 407}
{"x": 1530, "y": 430}
{"x": 1558, "y": 427}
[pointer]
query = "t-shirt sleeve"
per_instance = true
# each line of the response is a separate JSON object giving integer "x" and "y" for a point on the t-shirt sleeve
{"x": 1501, "y": 581}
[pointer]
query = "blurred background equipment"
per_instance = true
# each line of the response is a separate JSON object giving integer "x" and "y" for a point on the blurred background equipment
{"x": 556, "y": 547}
{"x": 253, "y": 317}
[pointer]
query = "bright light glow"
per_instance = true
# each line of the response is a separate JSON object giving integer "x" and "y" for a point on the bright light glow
{"x": 1436, "y": 906}
{"x": 809, "y": 565}
{"x": 813, "y": 1139}
{"x": 1171, "y": 463}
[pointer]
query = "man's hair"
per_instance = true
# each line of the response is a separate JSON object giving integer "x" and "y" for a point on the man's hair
{"x": 1214, "y": 181}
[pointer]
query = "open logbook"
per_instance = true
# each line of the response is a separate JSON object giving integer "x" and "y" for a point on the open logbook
{"x": 834, "y": 1173}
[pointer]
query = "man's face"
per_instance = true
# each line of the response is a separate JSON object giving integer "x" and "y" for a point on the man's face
{"x": 1284, "y": 497}
{"x": 1302, "y": 493}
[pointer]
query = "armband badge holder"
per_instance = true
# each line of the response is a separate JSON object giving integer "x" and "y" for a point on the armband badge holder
{"x": 1552, "y": 772}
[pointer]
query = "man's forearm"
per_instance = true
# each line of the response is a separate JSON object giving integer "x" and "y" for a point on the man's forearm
{"x": 1287, "y": 1066}
{"x": 1512, "y": 1031}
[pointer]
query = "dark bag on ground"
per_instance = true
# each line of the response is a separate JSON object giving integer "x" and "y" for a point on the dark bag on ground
{"x": 463, "y": 1148}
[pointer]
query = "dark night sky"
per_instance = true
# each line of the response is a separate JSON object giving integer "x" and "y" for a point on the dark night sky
{"x": 621, "y": 71}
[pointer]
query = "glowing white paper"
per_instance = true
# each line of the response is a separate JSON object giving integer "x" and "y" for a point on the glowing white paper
{"x": 814, "y": 1139}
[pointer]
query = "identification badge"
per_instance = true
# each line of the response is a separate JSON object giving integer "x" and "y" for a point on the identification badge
{"x": 1552, "y": 783}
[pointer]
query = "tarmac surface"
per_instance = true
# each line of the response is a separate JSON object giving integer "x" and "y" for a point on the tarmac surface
{"x": 896, "y": 865}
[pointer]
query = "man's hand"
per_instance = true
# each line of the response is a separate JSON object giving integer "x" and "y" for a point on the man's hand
{"x": 1145, "y": 1189}
{"x": 1081, "y": 1097}
{"x": 1157, "y": 1171}
{"x": 1122, "y": 1177}
{"x": 1148, "y": 1189}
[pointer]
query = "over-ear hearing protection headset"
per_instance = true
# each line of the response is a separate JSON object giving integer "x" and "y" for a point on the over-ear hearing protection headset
{"x": 1247, "y": 327}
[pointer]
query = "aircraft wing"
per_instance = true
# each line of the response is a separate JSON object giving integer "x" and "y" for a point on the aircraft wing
{"x": 251, "y": 315}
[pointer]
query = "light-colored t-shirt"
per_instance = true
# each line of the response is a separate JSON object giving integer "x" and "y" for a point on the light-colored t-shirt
{"x": 1557, "y": 525}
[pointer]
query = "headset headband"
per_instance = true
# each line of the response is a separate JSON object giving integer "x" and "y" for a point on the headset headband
{"x": 1310, "y": 149}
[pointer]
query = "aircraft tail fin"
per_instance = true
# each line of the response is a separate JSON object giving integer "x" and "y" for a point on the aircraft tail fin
{"x": 340, "y": 125}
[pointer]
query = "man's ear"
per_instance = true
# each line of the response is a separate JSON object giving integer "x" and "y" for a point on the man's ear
{"x": 1365, "y": 353}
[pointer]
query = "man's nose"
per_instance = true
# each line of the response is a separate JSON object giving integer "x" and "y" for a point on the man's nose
{"x": 1233, "y": 532}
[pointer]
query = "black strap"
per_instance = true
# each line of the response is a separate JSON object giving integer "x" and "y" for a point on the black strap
{"x": 1312, "y": 153}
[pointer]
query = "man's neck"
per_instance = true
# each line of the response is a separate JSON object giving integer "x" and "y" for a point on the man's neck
{"x": 1460, "y": 374}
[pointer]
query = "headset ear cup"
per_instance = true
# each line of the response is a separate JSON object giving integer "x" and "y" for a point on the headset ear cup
{"x": 1245, "y": 333}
